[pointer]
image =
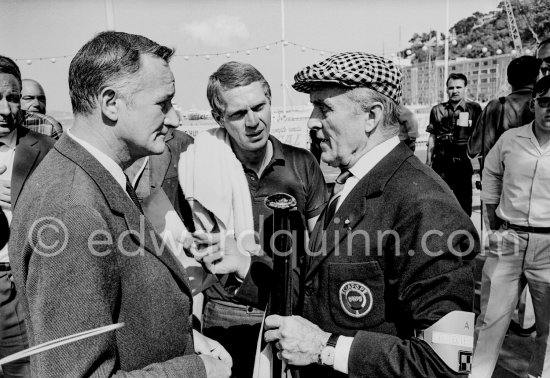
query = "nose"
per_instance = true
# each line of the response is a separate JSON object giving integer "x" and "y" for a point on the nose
{"x": 251, "y": 119}
{"x": 172, "y": 118}
{"x": 4, "y": 107}
{"x": 314, "y": 121}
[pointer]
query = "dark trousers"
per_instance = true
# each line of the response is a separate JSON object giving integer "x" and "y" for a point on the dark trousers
{"x": 237, "y": 328}
{"x": 13, "y": 334}
{"x": 457, "y": 173}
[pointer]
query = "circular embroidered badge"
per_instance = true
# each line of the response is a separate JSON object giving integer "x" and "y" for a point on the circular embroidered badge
{"x": 355, "y": 299}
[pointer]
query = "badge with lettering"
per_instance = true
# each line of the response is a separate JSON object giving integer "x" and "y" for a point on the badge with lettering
{"x": 355, "y": 299}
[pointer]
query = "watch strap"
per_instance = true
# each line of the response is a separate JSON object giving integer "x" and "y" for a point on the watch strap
{"x": 332, "y": 340}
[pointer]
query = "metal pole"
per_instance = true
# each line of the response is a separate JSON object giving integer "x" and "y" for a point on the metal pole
{"x": 283, "y": 55}
{"x": 109, "y": 13}
{"x": 446, "y": 74}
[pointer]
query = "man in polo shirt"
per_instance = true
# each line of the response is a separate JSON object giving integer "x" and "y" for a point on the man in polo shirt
{"x": 451, "y": 124}
{"x": 240, "y": 99}
{"x": 516, "y": 182}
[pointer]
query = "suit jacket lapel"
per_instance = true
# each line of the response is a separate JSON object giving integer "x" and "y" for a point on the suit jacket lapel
{"x": 323, "y": 243}
{"x": 122, "y": 205}
{"x": 26, "y": 154}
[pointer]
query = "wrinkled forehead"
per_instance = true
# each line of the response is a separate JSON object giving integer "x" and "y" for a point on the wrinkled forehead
{"x": 544, "y": 51}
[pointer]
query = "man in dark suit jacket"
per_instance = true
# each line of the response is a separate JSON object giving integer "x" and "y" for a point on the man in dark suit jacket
{"x": 390, "y": 255}
{"x": 21, "y": 151}
{"x": 92, "y": 259}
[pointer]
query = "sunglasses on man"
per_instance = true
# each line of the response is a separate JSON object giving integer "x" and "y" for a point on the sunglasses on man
{"x": 545, "y": 65}
{"x": 544, "y": 102}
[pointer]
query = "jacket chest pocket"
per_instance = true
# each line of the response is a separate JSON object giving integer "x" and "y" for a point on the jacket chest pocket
{"x": 356, "y": 294}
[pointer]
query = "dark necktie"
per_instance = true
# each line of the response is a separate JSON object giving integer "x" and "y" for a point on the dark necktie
{"x": 336, "y": 192}
{"x": 132, "y": 193}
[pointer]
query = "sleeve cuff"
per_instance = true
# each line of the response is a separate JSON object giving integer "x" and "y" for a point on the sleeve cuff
{"x": 341, "y": 354}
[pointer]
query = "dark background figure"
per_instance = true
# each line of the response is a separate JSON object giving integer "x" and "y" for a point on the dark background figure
{"x": 451, "y": 124}
{"x": 21, "y": 151}
{"x": 408, "y": 127}
{"x": 506, "y": 112}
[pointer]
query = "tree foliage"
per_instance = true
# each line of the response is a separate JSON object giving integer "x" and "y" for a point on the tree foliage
{"x": 489, "y": 30}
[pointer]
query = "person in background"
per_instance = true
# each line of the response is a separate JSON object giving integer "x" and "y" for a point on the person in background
{"x": 543, "y": 55}
{"x": 33, "y": 104}
{"x": 408, "y": 127}
{"x": 451, "y": 124}
{"x": 516, "y": 182}
{"x": 507, "y": 112}
{"x": 21, "y": 151}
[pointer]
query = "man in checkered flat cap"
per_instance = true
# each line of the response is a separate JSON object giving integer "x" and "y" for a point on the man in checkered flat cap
{"x": 387, "y": 287}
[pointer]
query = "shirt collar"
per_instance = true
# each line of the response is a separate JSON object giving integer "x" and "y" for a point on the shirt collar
{"x": 373, "y": 157}
{"x": 278, "y": 153}
{"x": 10, "y": 140}
{"x": 461, "y": 105}
{"x": 527, "y": 131}
{"x": 113, "y": 168}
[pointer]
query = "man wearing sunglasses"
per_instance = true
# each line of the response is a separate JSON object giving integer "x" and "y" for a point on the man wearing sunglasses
{"x": 543, "y": 54}
{"x": 516, "y": 191}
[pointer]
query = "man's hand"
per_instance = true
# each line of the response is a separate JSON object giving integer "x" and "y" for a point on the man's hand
{"x": 207, "y": 346}
{"x": 299, "y": 341}
{"x": 5, "y": 190}
{"x": 215, "y": 368}
{"x": 221, "y": 254}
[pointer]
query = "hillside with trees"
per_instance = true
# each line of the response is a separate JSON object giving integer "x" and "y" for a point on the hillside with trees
{"x": 488, "y": 30}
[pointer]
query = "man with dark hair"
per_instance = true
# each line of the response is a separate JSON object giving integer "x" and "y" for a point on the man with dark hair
{"x": 240, "y": 98}
{"x": 33, "y": 104}
{"x": 516, "y": 191}
{"x": 95, "y": 259}
{"x": 506, "y": 112}
{"x": 543, "y": 54}
{"x": 451, "y": 125}
{"x": 21, "y": 151}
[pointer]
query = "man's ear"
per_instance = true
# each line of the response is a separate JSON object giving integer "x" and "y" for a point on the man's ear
{"x": 107, "y": 102}
{"x": 373, "y": 117}
{"x": 217, "y": 117}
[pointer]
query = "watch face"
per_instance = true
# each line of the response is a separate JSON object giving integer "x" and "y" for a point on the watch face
{"x": 327, "y": 356}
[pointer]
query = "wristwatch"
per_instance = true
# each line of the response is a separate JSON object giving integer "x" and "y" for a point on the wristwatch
{"x": 328, "y": 352}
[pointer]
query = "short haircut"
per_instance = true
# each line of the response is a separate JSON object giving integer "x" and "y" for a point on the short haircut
{"x": 232, "y": 75}
{"x": 541, "y": 87}
{"x": 523, "y": 71}
{"x": 363, "y": 97}
{"x": 109, "y": 59}
{"x": 8, "y": 66}
{"x": 457, "y": 76}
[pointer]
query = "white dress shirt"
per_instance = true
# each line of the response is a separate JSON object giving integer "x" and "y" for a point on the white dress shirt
{"x": 113, "y": 168}
{"x": 7, "y": 153}
{"x": 358, "y": 171}
{"x": 517, "y": 178}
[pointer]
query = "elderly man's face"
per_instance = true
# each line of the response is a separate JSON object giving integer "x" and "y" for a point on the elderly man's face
{"x": 10, "y": 93}
{"x": 33, "y": 98}
{"x": 247, "y": 117}
{"x": 339, "y": 125}
{"x": 544, "y": 54}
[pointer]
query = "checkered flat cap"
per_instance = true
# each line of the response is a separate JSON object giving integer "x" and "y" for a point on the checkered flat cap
{"x": 353, "y": 70}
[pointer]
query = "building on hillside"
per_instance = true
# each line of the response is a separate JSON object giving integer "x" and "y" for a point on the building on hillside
{"x": 424, "y": 83}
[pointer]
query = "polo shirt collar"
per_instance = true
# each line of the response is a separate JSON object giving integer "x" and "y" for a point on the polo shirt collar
{"x": 278, "y": 153}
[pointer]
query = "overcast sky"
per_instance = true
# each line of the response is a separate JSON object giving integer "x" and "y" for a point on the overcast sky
{"x": 33, "y": 29}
